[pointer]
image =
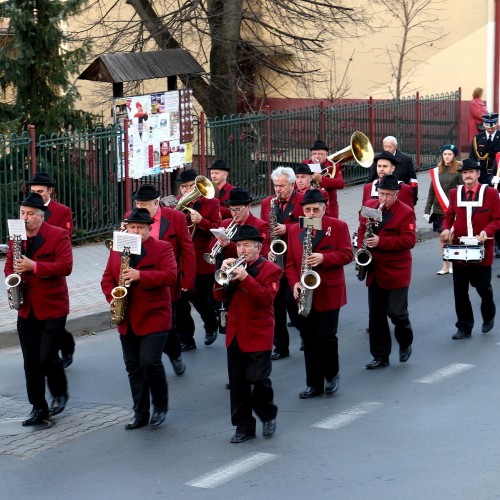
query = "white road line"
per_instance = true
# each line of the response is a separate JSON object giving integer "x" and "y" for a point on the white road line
{"x": 347, "y": 416}
{"x": 230, "y": 471}
{"x": 444, "y": 373}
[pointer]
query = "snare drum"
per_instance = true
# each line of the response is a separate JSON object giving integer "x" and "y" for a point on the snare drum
{"x": 467, "y": 253}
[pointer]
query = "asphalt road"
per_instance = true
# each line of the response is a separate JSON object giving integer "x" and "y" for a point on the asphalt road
{"x": 424, "y": 429}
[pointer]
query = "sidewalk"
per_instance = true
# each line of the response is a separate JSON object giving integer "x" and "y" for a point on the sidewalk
{"x": 89, "y": 311}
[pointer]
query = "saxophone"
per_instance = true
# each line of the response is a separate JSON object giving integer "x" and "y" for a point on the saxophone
{"x": 309, "y": 279}
{"x": 119, "y": 293}
{"x": 363, "y": 256}
{"x": 278, "y": 246}
{"x": 13, "y": 282}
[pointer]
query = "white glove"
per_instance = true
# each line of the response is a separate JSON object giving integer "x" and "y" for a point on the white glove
{"x": 427, "y": 217}
{"x": 495, "y": 179}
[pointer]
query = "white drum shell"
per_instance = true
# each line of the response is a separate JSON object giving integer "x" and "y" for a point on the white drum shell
{"x": 467, "y": 253}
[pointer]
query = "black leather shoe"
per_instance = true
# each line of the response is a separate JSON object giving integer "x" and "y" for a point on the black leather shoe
{"x": 157, "y": 418}
{"x": 67, "y": 359}
{"x": 277, "y": 355}
{"x": 269, "y": 428}
{"x": 58, "y": 404}
{"x": 488, "y": 326}
{"x": 460, "y": 335}
{"x": 310, "y": 392}
{"x": 179, "y": 365}
{"x": 332, "y": 386}
{"x": 188, "y": 345}
{"x": 210, "y": 338}
{"x": 404, "y": 354}
{"x": 241, "y": 437}
{"x": 137, "y": 421}
{"x": 36, "y": 417}
{"x": 377, "y": 363}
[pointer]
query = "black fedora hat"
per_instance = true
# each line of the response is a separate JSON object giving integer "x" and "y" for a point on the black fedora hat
{"x": 238, "y": 196}
{"x": 389, "y": 182}
{"x": 319, "y": 145}
{"x": 219, "y": 165}
{"x": 313, "y": 196}
{"x": 187, "y": 175}
{"x": 140, "y": 215}
{"x": 146, "y": 192}
{"x": 490, "y": 119}
{"x": 41, "y": 179}
{"x": 33, "y": 200}
{"x": 468, "y": 164}
{"x": 385, "y": 155}
{"x": 247, "y": 232}
{"x": 303, "y": 168}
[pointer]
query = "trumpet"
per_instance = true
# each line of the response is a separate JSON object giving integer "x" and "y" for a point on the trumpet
{"x": 224, "y": 277}
{"x": 230, "y": 231}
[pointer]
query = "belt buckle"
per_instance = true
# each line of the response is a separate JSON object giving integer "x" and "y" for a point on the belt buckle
{"x": 489, "y": 171}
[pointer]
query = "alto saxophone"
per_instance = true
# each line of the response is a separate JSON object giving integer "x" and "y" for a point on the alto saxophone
{"x": 309, "y": 279}
{"x": 363, "y": 256}
{"x": 278, "y": 246}
{"x": 13, "y": 282}
{"x": 119, "y": 293}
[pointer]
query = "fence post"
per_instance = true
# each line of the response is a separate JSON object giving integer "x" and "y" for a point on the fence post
{"x": 203, "y": 159}
{"x": 268, "y": 148}
{"x": 371, "y": 126}
{"x": 417, "y": 127}
{"x": 126, "y": 178}
{"x": 459, "y": 117}
{"x": 322, "y": 121}
{"x": 32, "y": 133}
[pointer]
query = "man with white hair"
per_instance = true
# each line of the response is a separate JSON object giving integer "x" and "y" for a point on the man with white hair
{"x": 405, "y": 171}
{"x": 280, "y": 211}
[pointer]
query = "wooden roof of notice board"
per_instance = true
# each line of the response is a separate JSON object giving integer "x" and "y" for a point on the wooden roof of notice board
{"x": 132, "y": 66}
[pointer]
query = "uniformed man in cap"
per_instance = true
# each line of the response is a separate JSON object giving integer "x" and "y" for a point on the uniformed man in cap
{"x": 389, "y": 273}
{"x": 485, "y": 146}
{"x": 219, "y": 172}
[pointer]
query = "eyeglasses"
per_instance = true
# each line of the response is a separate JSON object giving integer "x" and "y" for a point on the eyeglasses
{"x": 236, "y": 210}
{"x": 187, "y": 186}
{"x": 387, "y": 195}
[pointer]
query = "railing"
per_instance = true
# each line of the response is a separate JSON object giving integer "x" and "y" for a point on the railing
{"x": 85, "y": 164}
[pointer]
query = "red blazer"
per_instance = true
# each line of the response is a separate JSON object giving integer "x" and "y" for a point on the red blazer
{"x": 391, "y": 259}
{"x": 173, "y": 228}
{"x": 485, "y": 218}
{"x": 334, "y": 242}
{"x": 251, "y": 312}
{"x": 59, "y": 215}
{"x": 149, "y": 308}
{"x": 46, "y": 291}
{"x": 405, "y": 193}
{"x": 224, "y": 196}
{"x": 263, "y": 227}
{"x": 331, "y": 185}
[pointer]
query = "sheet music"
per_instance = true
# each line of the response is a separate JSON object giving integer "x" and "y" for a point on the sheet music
{"x": 17, "y": 227}
{"x": 121, "y": 240}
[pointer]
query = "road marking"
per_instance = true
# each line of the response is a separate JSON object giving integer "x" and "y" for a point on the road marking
{"x": 446, "y": 372}
{"x": 231, "y": 470}
{"x": 347, "y": 416}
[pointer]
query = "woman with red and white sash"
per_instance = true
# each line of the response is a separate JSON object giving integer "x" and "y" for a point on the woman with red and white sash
{"x": 444, "y": 178}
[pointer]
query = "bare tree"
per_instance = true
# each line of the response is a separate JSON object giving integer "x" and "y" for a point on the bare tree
{"x": 243, "y": 44}
{"x": 420, "y": 27}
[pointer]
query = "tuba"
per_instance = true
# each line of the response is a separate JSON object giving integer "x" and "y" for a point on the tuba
{"x": 360, "y": 149}
{"x": 363, "y": 256}
{"x": 309, "y": 279}
{"x": 278, "y": 246}
{"x": 119, "y": 293}
{"x": 224, "y": 277}
{"x": 13, "y": 282}
{"x": 204, "y": 188}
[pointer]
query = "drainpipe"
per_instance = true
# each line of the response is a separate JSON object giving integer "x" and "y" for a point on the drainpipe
{"x": 496, "y": 68}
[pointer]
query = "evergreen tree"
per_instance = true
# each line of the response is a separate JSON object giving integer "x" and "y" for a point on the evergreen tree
{"x": 38, "y": 64}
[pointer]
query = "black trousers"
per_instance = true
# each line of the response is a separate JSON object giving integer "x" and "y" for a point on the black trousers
{"x": 67, "y": 343}
{"x": 247, "y": 369}
{"x": 172, "y": 347}
{"x": 281, "y": 336}
{"x": 202, "y": 299}
{"x": 479, "y": 277}
{"x": 146, "y": 374}
{"x": 321, "y": 355}
{"x": 40, "y": 342}
{"x": 393, "y": 304}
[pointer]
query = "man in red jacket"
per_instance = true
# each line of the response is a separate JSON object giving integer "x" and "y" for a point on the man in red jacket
{"x": 58, "y": 215}
{"x": 219, "y": 172}
{"x": 330, "y": 250}
{"x": 249, "y": 335}
{"x": 474, "y": 211}
{"x": 389, "y": 274}
{"x": 147, "y": 319}
{"x": 45, "y": 262}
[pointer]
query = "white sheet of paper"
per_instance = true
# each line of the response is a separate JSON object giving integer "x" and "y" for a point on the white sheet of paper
{"x": 220, "y": 234}
{"x": 17, "y": 227}
{"x": 315, "y": 168}
{"x": 121, "y": 240}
